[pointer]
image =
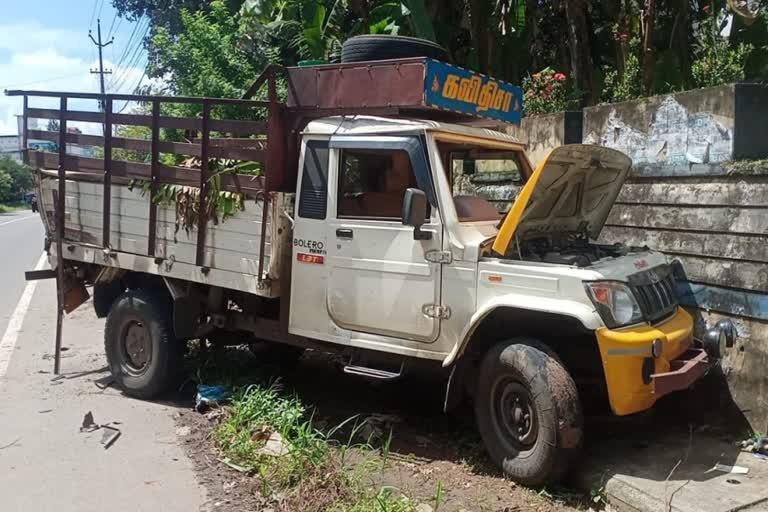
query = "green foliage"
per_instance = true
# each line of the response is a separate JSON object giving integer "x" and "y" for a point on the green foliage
{"x": 629, "y": 84}
{"x": 220, "y": 204}
{"x": 547, "y": 91}
{"x": 6, "y": 185}
{"x": 15, "y": 180}
{"x": 311, "y": 475}
{"x": 207, "y": 57}
{"x": 718, "y": 61}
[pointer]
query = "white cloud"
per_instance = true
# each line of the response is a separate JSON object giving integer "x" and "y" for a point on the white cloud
{"x": 20, "y": 37}
{"x": 46, "y": 59}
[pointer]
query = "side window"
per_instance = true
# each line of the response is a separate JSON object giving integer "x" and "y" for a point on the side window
{"x": 372, "y": 183}
{"x": 314, "y": 181}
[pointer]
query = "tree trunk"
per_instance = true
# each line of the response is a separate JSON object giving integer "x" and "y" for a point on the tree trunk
{"x": 649, "y": 54}
{"x": 534, "y": 40}
{"x": 680, "y": 41}
{"x": 579, "y": 47}
{"x": 362, "y": 9}
{"x": 480, "y": 12}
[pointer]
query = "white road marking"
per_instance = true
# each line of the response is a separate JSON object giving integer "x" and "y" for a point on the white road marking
{"x": 8, "y": 343}
{"x": 17, "y": 220}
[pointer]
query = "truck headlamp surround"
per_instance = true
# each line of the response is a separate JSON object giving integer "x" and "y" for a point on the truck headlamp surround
{"x": 614, "y": 302}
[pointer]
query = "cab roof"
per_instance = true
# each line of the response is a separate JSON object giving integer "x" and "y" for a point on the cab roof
{"x": 368, "y": 125}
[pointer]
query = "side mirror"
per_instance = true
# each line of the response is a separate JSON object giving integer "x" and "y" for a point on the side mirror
{"x": 415, "y": 211}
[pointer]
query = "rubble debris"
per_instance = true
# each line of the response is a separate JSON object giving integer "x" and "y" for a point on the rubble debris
{"x": 275, "y": 446}
{"x": 88, "y": 424}
{"x": 236, "y": 467}
{"x": 214, "y": 414}
{"x": 210, "y": 396}
{"x": 109, "y": 436}
{"x": 725, "y": 468}
{"x": 104, "y": 382}
{"x": 45, "y": 411}
{"x": 757, "y": 444}
{"x": 183, "y": 431}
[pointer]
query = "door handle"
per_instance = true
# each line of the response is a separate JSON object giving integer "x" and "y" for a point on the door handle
{"x": 344, "y": 233}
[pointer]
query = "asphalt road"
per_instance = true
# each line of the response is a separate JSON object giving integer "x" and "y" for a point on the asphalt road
{"x": 21, "y": 243}
{"x": 46, "y": 462}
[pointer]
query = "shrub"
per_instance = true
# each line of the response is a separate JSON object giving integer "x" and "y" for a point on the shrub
{"x": 718, "y": 62}
{"x": 548, "y": 91}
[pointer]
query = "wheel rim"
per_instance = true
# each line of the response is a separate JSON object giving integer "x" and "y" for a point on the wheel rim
{"x": 136, "y": 343}
{"x": 514, "y": 413}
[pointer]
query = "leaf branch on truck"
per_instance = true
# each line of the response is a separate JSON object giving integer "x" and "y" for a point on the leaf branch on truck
{"x": 353, "y": 241}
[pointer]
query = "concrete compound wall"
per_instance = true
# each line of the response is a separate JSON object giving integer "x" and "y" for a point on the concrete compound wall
{"x": 691, "y": 195}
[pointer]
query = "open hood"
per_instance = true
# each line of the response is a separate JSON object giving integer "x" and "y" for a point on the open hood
{"x": 571, "y": 191}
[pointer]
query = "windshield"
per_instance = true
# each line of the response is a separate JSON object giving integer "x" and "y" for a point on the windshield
{"x": 484, "y": 180}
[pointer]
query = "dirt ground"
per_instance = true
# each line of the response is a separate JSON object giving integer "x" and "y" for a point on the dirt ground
{"x": 428, "y": 450}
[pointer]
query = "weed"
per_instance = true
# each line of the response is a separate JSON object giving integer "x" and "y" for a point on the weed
{"x": 439, "y": 495}
{"x": 312, "y": 474}
{"x": 598, "y": 497}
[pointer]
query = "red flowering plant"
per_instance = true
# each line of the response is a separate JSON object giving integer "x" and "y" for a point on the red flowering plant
{"x": 547, "y": 91}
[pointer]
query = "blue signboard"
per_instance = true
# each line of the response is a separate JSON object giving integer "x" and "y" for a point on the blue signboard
{"x": 461, "y": 90}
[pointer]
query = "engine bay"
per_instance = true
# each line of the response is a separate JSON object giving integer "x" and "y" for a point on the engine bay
{"x": 566, "y": 249}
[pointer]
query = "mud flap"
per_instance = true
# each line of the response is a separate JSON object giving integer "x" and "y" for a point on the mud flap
{"x": 75, "y": 293}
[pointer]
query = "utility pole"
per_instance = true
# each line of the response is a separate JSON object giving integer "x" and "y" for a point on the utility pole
{"x": 101, "y": 71}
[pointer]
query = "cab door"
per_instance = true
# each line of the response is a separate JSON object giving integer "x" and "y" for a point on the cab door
{"x": 380, "y": 281}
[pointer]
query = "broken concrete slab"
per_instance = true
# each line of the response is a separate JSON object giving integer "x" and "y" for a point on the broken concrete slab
{"x": 673, "y": 472}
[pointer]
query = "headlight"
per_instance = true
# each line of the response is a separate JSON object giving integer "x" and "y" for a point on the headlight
{"x": 615, "y": 303}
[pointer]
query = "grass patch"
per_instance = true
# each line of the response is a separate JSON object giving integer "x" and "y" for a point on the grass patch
{"x": 12, "y": 207}
{"x": 272, "y": 436}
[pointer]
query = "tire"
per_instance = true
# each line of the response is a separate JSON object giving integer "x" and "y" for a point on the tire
{"x": 528, "y": 412}
{"x": 104, "y": 295}
{"x": 143, "y": 354}
{"x": 382, "y": 47}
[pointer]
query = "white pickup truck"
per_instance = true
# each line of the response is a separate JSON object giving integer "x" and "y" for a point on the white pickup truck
{"x": 372, "y": 255}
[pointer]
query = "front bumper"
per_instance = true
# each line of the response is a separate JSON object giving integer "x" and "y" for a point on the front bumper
{"x": 685, "y": 370}
{"x": 634, "y": 377}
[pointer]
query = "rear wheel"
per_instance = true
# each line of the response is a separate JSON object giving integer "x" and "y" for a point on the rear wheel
{"x": 528, "y": 411}
{"x": 143, "y": 354}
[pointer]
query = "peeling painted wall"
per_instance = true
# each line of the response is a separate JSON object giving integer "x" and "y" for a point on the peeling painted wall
{"x": 540, "y": 134}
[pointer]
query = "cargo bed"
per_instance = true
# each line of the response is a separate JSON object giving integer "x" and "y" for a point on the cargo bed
{"x": 231, "y": 248}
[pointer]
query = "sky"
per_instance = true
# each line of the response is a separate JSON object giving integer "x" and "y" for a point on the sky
{"x": 44, "y": 45}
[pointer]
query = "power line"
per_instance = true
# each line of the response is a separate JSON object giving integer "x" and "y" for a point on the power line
{"x": 101, "y": 6}
{"x": 93, "y": 13}
{"x": 116, "y": 27}
{"x": 131, "y": 63}
{"x": 44, "y": 80}
{"x": 128, "y": 46}
{"x": 101, "y": 71}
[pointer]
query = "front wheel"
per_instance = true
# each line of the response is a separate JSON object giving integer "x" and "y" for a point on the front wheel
{"x": 528, "y": 411}
{"x": 143, "y": 354}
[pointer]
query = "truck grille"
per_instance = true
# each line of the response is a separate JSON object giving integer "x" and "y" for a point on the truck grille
{"x": 655, "y": 292}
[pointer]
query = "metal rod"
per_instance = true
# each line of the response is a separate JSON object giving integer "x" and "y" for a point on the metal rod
{"x": 154, "y": 162}
{"x": 25, "y": 133}
{"x": 199, "y": 100}
{"x": 60, "y": 226}
{"x": 202, "y": 220}
{"x": 107, "y": 207}
{"x": 263, "y": 241}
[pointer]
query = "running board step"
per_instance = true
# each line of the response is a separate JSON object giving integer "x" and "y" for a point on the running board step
{"x": 372, "y": 373}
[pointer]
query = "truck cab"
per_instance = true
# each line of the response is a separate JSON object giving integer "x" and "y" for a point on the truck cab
{"x": 389, "y": 258}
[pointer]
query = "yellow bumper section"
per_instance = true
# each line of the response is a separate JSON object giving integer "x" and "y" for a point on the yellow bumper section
{"x": 624, "y": 352}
